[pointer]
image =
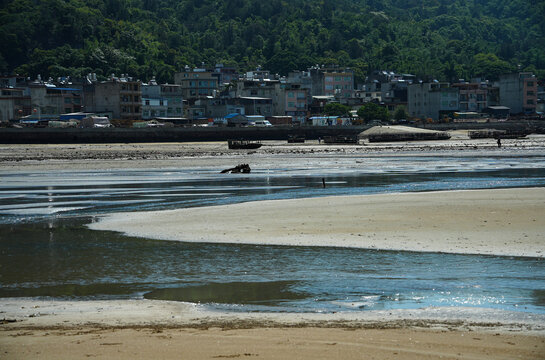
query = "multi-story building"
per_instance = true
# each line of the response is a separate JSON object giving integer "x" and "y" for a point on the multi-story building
{"x": 173, "y": 95}
{"x": 263, "y": 89}
{"x": 518, "y": 91}
{"x": 161, "y": 101}
{"x": 122, "y": 97}
{"x": 225, "y": 75}
{"x": 196, "y": 83}
{"x": 14, "y": 104}
{"x": 50, "y": 101}
{"x": 332, "y": 82}
{"x": 473, "y": 96}
{"x": 296, "y": 103}
{"x": 254, "y": 105}
{"x": 432, "y": 100}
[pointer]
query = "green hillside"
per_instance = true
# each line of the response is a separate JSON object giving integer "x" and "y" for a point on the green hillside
{"x": 446, "y": 39}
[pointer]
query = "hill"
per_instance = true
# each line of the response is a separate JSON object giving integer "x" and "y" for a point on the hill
{"x": 446, "y": 39}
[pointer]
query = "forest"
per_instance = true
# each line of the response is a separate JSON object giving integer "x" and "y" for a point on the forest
{"x": 442, "y": 39}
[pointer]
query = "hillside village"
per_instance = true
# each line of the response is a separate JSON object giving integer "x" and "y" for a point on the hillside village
{"x": 220, "y": 96}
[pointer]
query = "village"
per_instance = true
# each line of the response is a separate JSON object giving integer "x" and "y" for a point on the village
{"x": 220, "y": 96}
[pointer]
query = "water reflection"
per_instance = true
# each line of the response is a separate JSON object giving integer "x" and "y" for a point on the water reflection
{"x": 63, "y": 259}
{"x": 263, "y": 293}
{"x": 33, "y": 203}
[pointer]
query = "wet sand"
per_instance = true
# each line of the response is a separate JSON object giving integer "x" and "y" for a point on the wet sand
{"x": 143, "y": 329}
{"x": 273, "y": 154}
{"x": 494, "y": 222}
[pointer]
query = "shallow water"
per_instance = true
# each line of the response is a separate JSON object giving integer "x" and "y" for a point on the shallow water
{"x": 33, "y": 196}
{"x": 46, "y": 250}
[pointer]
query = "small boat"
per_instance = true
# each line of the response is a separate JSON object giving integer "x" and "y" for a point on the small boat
{"x": 296, "y": 139}
{"x": 243, "y": 144}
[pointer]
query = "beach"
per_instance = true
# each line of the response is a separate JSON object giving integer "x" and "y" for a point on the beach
{"x": 505, "y": 222}
{"x": 492, "y": 222}
{"x": 173, "y": 330}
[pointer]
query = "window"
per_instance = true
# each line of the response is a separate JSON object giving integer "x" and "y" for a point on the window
{"x": 530, "y": 83}
{"x": 290, "y": 94}
{"x": 328, "y": 79}
{"x": 291, "y": 104}
{"x": 347, "y": 78}
{"x": 530, "y": 93}
{"x": 147, "y": 102}
{"x": 67, "y": 100}
{"x": 530, "y": 101}
{"x": 338, "y": 78}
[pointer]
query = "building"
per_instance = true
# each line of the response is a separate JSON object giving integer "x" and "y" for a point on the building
{"x": 196, "y": 83}
{"x": 225, "y": 75}
{"x": 331, "y": 81}
{"x": 173, "y": 95}
{"x": 48, "y": 101}
{"x": 473, "y": 96}
{"x": 122, "y": 97}
{"x": 161, "y": 101}
{"x": 14, "y": 104}
{"x": 254, "y": 105}
{"x": 296, "y": 103}
{"x": 259, "y": 89}
{"x": 518, "y": 91}
{"x": 432, "y": 100}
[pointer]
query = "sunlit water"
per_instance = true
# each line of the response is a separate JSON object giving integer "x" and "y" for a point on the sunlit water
{"x": 46, "y": 250}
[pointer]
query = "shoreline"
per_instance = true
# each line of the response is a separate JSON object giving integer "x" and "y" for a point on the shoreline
{"x": 501, "y": 222}
{"x": 140, "y": 329}
{"x": 28, "y": 313}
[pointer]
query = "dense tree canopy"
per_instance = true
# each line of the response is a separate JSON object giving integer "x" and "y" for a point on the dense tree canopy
{"x": 336, "y": 109}
{"x": 371, "y": 111}
{"x": 447, "y": 39}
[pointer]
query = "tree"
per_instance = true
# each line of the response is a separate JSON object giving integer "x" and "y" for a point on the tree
{"x": 336, "y": 109}
{"x": 400, "y": 113}
{"x": 371, "y": 111}
{"x": 490, "y": 66}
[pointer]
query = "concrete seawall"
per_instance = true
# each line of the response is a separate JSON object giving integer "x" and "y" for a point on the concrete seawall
{"x": 196, "y": 134}
{"x": 122, "y": 135}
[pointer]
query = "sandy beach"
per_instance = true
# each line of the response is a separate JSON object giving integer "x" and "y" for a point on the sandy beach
{"x": 495, "y": 222}
{"x": 141, "y": 329}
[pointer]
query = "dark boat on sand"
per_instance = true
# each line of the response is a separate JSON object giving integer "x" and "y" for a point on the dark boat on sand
{"x": 243, "y": 144}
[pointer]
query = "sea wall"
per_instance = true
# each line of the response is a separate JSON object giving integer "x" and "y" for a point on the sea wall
{"x": 190, "y": 134}
{"x": 170, "y": 134}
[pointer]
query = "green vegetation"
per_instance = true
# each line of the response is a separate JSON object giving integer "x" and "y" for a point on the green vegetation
{"x": 446, "y": 39}
{"x": 371, "y": 111}
{"x": 336, "y": 109}
{"x": 400, "y": 113}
